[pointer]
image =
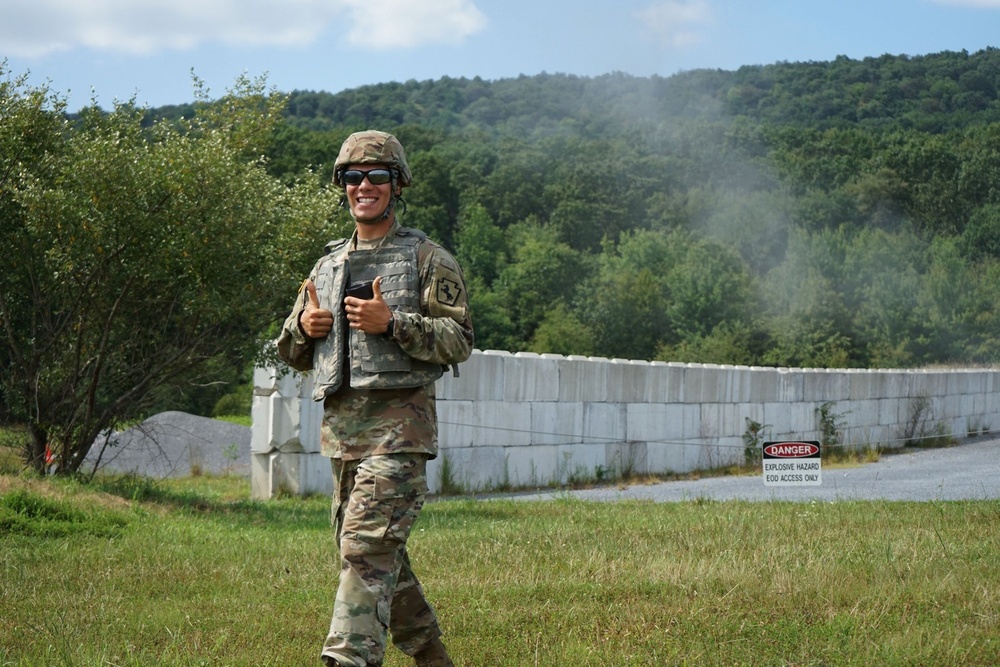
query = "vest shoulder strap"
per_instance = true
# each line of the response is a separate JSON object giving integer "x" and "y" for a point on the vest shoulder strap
{"x": 334, "y": 245}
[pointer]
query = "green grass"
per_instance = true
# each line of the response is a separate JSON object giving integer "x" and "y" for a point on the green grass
{"x": 192, "y": 572}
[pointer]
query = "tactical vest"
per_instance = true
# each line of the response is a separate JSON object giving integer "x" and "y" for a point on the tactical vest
{"x": 376, "y": 360}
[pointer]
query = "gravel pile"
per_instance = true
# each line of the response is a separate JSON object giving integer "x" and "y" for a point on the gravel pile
{"x": 177, "y": 444}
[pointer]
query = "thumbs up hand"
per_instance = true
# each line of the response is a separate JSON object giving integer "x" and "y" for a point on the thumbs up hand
{"x": 369, "y": 315}
{"x": 314, "y": 320}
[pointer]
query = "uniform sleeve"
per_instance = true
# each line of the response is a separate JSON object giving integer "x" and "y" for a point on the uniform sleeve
{"x": 294, "y": 347}
{"x": 442, "y": 332}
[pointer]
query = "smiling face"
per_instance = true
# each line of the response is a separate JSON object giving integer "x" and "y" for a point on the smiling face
{"x": 368, "y": 201}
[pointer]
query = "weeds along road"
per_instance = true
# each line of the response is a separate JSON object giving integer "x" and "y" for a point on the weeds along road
{"x": 968, "y": 471}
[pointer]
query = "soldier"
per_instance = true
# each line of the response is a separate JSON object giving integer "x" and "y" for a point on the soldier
{"x": 379, "y": 319}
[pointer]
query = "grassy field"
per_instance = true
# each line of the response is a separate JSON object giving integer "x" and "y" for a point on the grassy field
{"x": 191, "y": 572}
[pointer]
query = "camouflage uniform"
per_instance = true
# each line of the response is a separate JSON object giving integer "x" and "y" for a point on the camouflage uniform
{"x": 380, "y": 429}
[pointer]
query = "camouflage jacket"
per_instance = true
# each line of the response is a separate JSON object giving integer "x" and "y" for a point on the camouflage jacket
{"x": 383, "y": 408}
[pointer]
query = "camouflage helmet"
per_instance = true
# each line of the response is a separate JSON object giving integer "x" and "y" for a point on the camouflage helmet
{"x": 372, "y": 147}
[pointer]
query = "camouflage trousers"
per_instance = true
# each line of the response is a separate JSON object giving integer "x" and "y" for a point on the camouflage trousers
{"x": 375, "y": 503}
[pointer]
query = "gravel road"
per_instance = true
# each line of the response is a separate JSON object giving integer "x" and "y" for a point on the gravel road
{"x": 968, "y": 471}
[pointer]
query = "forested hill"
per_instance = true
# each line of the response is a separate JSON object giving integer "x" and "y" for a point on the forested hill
{"x": 933, "y": 93}
{"x": 826, "y": 214}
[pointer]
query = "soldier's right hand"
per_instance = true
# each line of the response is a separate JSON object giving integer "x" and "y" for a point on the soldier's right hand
{"x": 315, "y": 321}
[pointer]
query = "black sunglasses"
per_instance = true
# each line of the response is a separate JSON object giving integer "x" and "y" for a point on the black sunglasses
{"x": 375, "y": 176}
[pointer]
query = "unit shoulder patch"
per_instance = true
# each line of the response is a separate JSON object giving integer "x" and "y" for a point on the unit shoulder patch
{"x": 447, "y": 291}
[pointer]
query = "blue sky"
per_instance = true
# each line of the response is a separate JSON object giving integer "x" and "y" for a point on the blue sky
{"x": 119, "y": 49}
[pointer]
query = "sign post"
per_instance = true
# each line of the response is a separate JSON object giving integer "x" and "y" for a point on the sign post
{"x": 792, "y": 463}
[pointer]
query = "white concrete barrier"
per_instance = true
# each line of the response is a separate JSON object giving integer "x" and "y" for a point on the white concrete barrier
{"x": 528, "y": 420}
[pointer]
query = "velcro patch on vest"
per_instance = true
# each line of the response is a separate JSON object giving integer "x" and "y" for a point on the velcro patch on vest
{"x": 447, "y": 291}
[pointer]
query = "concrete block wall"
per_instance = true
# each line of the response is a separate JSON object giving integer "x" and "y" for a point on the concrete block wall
{"x": 528, "y": 420}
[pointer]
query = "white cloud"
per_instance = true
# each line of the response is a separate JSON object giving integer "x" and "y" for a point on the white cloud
{"x": 674, "y": 23}
{"x": 388, "y": 24}
{"x": 975, "y": 4}
{"x": 34, "y": 28}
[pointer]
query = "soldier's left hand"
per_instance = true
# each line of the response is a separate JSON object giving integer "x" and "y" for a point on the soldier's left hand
{"x": 370, "y": 315}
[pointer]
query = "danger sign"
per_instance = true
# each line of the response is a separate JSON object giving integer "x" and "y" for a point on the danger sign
{"x": 792, "y": 463}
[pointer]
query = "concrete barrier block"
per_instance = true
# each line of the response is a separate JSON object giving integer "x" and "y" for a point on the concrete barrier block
{"x": 617, "y": 391}
{"x": 765, "y": 383}
{"x": 628, "y": 381}
{"x": 891, "y": 411}
{"x": 710, "y": 453}
{"x": 284, "y": 419}
{"x": 666, "y": 457}
{"x": 947, "y": 407}
{"x": 664, "y": 383}
{"x": 626, "y": 458}
{"x": 732, "y": 384}
{"x": 730, "y": 451}
{"x": 481, "y": 378}
{"x": 955, "y": 384}
{"x": 741, "y": 380}
{"x": 534, "y": 466}
{"x": 554, "y": 423}
{"x": 694, "y": 379}
{"x": 937, "y": 383}
{"x": 804, "y": 417}
{"x": 606, "y": 423}
{"x": 991, "y": 402}
{"x": 457, "y": 426}
{"x": 790, "y": 385}
{"x": 714, "y": 388}
{"x": 583, "y": 379}
{"x": 317, "y": 474}
{"x": 862, "y": 413}
{"x": 288, "y": 382}
{"x": 981, "y": 382}
{"x": 976, "y": 380}
{"x": 265, "y": 378}
{"x": 260, "y": 478}
{"x": 470, "y": 469}
{"x": 677, "y": 382}
{"x": 310, "y": 425}
{"x": 691, "y": 422}
{"x": 276, "y": 425}
{"x": 863, "y": 385}
{"x": 968, "y": 406}
{"x": 261, "y": 440}
{"x": 582, "y": 463}
{"x": 736, "y": 416}
{"x": 796, "y": 418}
{"x": 885, "y": 384}
{"x": 713, "y": 418}
{"x": 284, "y": 473}
{"x": 656, "y": 422}
{"x": 529, "y": 377}
{"x": 721, "y": 420}
{"x": 820, "y": 385}
{"x": 502, "y": 424}
{"x": 718, "y": 418}
{"x": 855, "y": 438}
{"x": 917, "y": 380}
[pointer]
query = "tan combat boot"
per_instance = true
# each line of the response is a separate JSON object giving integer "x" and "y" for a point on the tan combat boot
{"x": 433, "y": 655}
